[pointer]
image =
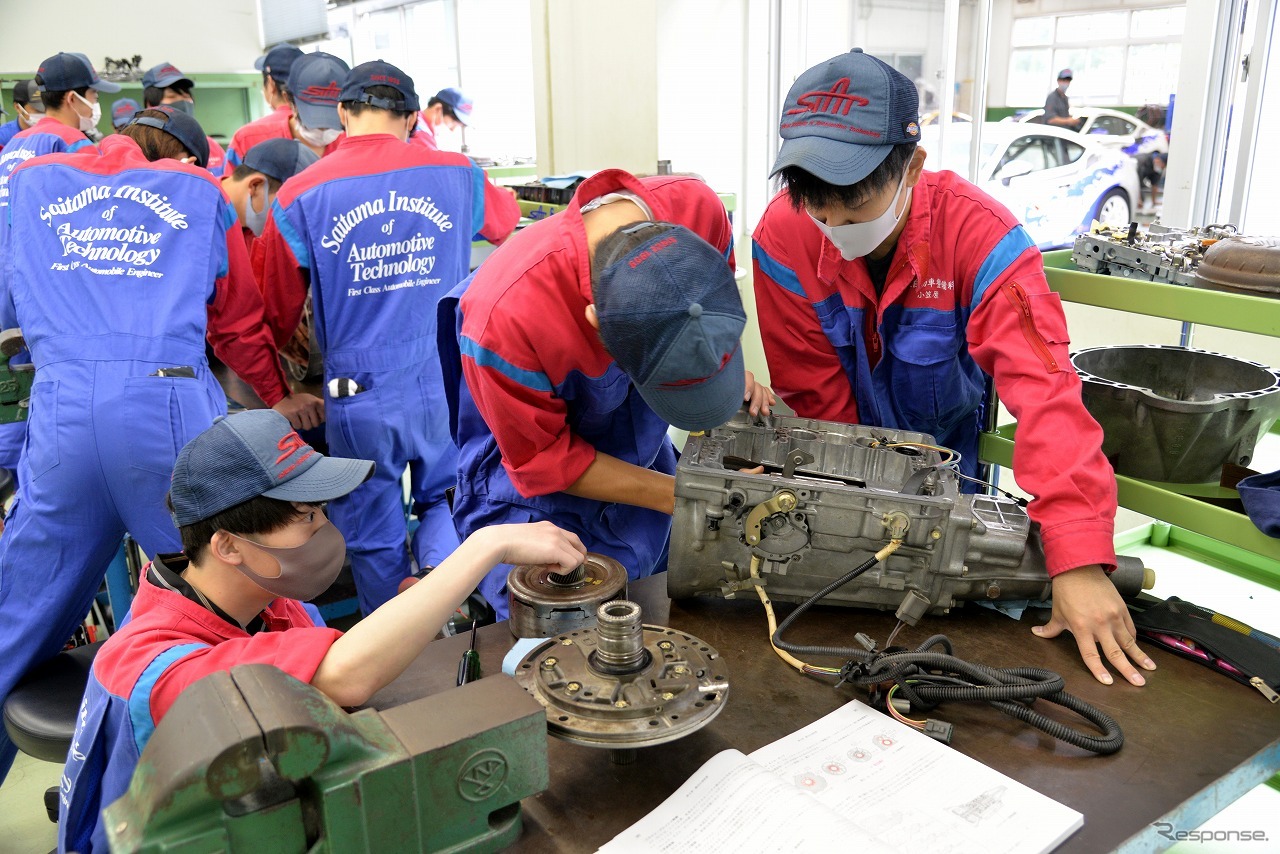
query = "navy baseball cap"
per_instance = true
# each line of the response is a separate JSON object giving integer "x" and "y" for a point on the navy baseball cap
{"x": 25, "y": 92}
{"x": 179, "y": 125}
{"x": 458, "y": 102}
{"x": 671, "y": 316}
{"x": 122, "y": 110}
{"x": 1065, "y": 74}
{"x": 252, "y": 453}
{"x": 843, "y": 116}
{"x": 278, "y": 61}
{"x": 379, "y": 73}
{"x": 279, "y": 158}
{"x": 66, "y": 71}
{"x": 315, "y": 81}
{"x": 163, "y": 76}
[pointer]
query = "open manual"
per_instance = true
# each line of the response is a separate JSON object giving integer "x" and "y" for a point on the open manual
{"x": 854, "y": 780}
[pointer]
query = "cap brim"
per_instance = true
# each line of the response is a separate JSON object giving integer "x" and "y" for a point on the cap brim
{"x": 329, "y": 478}
{"x": 317, "y": 116}
{"x": 465, "y": 121}
{"x": 703, "y": 406}
{"x": 260, "y": 63}
{"x": 105, "y": 86}
{"x": 166, "y": 82}
{"x": 839, "y": 163}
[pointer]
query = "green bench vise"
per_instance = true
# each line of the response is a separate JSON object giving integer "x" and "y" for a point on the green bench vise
{"x": 15, "y": 380}
{"x": 254, "y": 760}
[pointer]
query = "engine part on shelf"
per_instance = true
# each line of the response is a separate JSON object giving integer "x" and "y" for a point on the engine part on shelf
{"x": 546, "y": 603}
{"x": 1159, "y": 254}
{"x": 1176, "y": 414}
{"x": 833, "y": 495}
{"x": 623, "y": 684}
{"x": 553, "y": 191}
{"x": 1243, "y": 265}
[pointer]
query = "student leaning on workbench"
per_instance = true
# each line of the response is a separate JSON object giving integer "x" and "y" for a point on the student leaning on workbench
{"x": 69, "y": 90}
{"x": 888, "y": 295}
{"x": 580, "y": 341}
{"x": 274, "y": 65}
{"x": 377, "y": 253}
{"x": 165, "y": 85}
{"x": 116, "y": 263}
{"x": 248, "y": 497}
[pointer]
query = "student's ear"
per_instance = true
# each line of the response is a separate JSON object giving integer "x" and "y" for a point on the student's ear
{"x": 342, "y": 116}
{"x": 916, "y": 166}
{"x": 592, "y": 317}
{"x": 226, "y": 548}
{"x": 255, "y": 181}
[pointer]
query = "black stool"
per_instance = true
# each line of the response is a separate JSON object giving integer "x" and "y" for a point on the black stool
{"x": 40, "y": 713}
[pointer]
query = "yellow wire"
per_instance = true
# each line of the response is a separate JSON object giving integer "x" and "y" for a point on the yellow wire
{"x": 802, "y": 666}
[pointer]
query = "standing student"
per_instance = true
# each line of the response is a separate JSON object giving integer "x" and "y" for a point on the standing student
{"x": 122, "y": 112}
{"x": 1057, "y": 107}
{"x": 448, "y": 109}
{"x": 28, "y": 110}
{"x": 378, "y": 231}
{"x": 888, "y": 295}
{"x": 117, "y": 265}
{"x": 165, "y": 85}
{"x": 274, "y": 65}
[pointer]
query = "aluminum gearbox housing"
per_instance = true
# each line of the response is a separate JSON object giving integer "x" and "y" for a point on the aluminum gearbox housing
{"x": 830, "y": 497}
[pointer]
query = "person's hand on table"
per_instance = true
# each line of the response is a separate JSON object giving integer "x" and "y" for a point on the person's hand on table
{"x": 1087, "y": 604}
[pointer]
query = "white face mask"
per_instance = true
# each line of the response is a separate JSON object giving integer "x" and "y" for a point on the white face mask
{"x": 317, "y": 137}
{"x": 89, "y": 122}
{"x": 859, "y": 239}
{"x": 29, "y": 117}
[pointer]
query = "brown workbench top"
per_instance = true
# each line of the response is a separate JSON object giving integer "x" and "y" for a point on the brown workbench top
{"x": 1194, "y": 740}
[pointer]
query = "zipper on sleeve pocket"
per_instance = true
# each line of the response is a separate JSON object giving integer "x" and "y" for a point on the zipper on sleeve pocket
{"x": 1022, "y": 305}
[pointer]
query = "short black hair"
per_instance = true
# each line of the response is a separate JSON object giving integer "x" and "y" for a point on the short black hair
{"x": 809, "y": 191}
{"x": 281, "y": 86}
{"x": 242, "y": 172}
{"x": 448, "y": 111}
{"x": 260, "y": 515}
{"x": 55, "y": 100}
{"x": 388, "y": 93}
{"x": 153, "y": 95}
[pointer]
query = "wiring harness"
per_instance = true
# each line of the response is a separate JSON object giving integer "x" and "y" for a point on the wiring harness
{"x": 904, "y": 681}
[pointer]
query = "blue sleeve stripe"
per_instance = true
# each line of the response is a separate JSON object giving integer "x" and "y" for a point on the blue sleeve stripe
{"x": 999, "y": 259}
{"x": 291, "y": 236}
{"x": 76, "y": 146}
{"x": 233, "y": 159}
{"x": 728, "y": 249}
{"x": 229, "y": 221}
{"x": 486, "y": 358}
{"x": 478, "y": 181}
{"x": 140, "y": 696}
{"x": 780, "y": 273}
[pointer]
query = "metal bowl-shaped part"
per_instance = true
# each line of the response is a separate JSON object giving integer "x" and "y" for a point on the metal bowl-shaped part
{"x": 1177, "y": 414}
{"x": 545, "y": 603}
{"x": 680, "y": 688}
{"x": 1245, "y": 265}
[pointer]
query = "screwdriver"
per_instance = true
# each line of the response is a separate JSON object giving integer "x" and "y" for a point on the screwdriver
{"x": 469, "y": 666}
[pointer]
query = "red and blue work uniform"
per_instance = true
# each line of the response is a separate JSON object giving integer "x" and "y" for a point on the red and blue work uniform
{"x": 217, "y": 158}
{"x": 424, "y": 134}
{"x": 7, "y": 132}
{"x": 115, "y": 268}
{"x": 541, "y": 396}
{"x": 274, "y": 125}
{"x": 964, "y": 298}
{"x": 171, "y": 641}
{"x": 381, "y": 230}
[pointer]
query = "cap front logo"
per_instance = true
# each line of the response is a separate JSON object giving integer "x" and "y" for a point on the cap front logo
{"x": 323, "y": 93}
{"x": 837, "y": 101}
{"x": 290, "y": 444}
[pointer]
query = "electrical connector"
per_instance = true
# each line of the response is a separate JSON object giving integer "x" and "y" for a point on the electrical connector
{"x": 902, "y": 705}
{"x": 938, "y": 730}
{"x": 865, "y": 641}
{"x": 913, "y": 607}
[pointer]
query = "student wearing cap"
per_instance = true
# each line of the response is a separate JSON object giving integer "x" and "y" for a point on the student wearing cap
{"x": 376, "y": 254}
{"x": 248, "y": 498}
{"x": 118, "y": 264}
{"x": 315, "y": 79}
{"x": 69, "y": 89}
{"x": 28, "y": 110}
{"x": 274, "y": 65}
{"x": 888, "y": 295}
{"x": 122, "y": 112}
{"x": 572, "y": 349}
{"x": 448, "y": 107}
{"x": 165, "y": 85}
{"x": 1057, "y": 109}
{"x": 252, "y": 186}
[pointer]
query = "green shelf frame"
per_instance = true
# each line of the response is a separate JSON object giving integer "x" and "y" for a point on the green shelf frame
{"x": 1198, "y": 526}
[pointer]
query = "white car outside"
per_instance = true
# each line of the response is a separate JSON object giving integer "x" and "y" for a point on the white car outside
{"x": 1056, "y": 182}
{"x": 1113, "y": 128}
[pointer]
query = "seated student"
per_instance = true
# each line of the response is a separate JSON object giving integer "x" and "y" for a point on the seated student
{"x": 248, "y": 498}
{"x": 266, "y": 166}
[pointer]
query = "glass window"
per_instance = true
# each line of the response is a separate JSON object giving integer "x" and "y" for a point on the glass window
{"x": 1069, "y": 152}
{"x": 1032, "y": 31}
{"x": 1112, "y": 126}
{"x": 1100, "y": 26}
{"x": 1032, "y": 151}
{"x": 1030, "y": 76}
{"x": 1151, "y": 73}
{"x": 1099, "y": 73}
{"x": 1147, "y": 23}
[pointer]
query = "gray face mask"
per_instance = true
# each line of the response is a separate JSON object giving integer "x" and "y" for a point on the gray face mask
{"x": 255, "y": 220}
{"x": 183, "y": 106}
{"x": 305, "y": 571}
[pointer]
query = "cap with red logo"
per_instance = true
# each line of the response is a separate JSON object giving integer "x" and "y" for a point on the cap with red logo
{"x": 367, "y": 75}
{"x": 843, "y": 116}
{"x": 254, "y": 453}
{"x": 278, "y": 61}
{"x": 163, "y": 76}
{"x": 315, "y": 81}
{"x": 458, "y": 102}
{"x": 122, "y": 111}
{"x": 671, "y": 316}
{"x": 66, "y": 71}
